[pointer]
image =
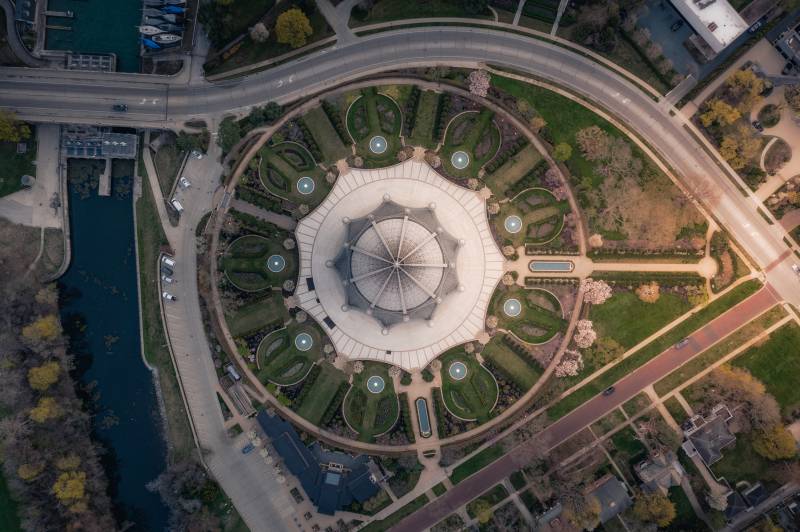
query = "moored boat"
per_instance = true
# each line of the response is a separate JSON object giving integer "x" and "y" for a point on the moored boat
{"x": 150, "y": 30}
{"x": 166, "y": 38}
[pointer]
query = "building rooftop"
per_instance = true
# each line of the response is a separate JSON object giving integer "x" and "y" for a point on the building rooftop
{"x": 612, "y": 496}
{"x": 716, "y": 21}
{"x": 707, "y": 436}
{"x": 660, "y": 472}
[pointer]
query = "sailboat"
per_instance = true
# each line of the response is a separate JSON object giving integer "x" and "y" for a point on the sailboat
{"x": 152, "y": 12}
{"x": 149, "y": 30}
{"x": 161, "y": 3}
{"x": 175, "y": 10}
{"x": 166, "y": 38}
{"x": 171, "y": 28}
{"x": 149, "y": 43}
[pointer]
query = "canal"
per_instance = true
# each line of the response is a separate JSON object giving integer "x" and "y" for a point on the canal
{"x": 101, "y": 316}
{"x": 98, "y": 26}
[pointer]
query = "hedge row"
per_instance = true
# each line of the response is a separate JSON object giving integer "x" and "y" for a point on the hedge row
{"x": 404, "y": 413}
{"x": 439, "y": 411}
{"x": 257, "y": 198}
{"x": 666, "y": 278}
{"x": 411, "y": 111}
{"x": 335, "y": 404}
{"x": 442, "y": 111}
{"x": 505, "y": 155}
{"x": 332, "y": 111}
{"x": 308, "y": 384}
{"x": 310, "y": 143}
{"x": 255, "y": 225}
{"x": 531, "y": 179}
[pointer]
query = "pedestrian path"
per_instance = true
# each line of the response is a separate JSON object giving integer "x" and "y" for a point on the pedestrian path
{"x": 338, "y": 17}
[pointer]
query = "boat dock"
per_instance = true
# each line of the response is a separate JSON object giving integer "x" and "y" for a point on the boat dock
{"x": 54, "y": 27}
{"x": 61, "y": 14}
{"x": 92, "y": 62}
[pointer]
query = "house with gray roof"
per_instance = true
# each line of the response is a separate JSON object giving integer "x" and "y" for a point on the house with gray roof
{"x": 707, "y": 436}
{"x": 612, "y": 495}
{"x": 660, "y": 472}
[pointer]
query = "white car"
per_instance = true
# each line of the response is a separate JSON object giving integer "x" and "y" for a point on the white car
{"x": 169, "y": 261}
{"x": 796, "y": 269}
{"x": 197, "y": 154}
{"x": 184, "y": 183}
{"x": 167, "y": 279}
{"x": 168, "y": 296}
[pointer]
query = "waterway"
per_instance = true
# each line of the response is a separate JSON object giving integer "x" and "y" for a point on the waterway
{"x": 100, "y": 313}
{"x": 98, "y": 26}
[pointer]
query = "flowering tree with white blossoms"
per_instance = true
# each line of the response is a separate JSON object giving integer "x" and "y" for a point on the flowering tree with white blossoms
{"x": 571, "y": 364}
{"x": 479, "y": 82}
{"x": 358, "y": 367}
{"x": 394, "y": 371}
{"x": 585, "y": 334}
{"x": 595, "y": 292}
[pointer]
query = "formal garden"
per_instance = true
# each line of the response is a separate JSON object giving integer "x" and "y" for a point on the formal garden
{"x": 289, "y": 171}
{"x": 469, "y": 390}
{"x": 471, "y": 140}
{"x": 371, "y": 406}
{"x": 374, "y": 122}
{"x": 253, "y": 263}
{"x": 533, "y": 316}
{"x": 285, "y": 356}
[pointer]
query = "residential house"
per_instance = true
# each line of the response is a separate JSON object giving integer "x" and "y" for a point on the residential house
{"x": 708, "y": 436}
{"x": 660, "y": 472}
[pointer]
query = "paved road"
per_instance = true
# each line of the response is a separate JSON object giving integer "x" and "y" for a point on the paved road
{"x": 160, "y": 102}
{"x": 592, "y": 410}
{"x": 246, "y": 479}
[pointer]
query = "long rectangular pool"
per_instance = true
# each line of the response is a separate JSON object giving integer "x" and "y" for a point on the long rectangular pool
{"x": 551, "y": 266}
{"x": 422, "y": 416}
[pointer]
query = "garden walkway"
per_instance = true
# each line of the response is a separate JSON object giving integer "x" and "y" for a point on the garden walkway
{"x": 787, "y": 129}
{"x": 338, "y": 17}
{"x": 281, "y": 220}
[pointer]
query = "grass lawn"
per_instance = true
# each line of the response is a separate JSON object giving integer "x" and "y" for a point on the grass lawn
{"x": 518, "y": 480}
{"x": 776, "y": 363}
{"x": 653, "y": 349}
{"x": 283, "y": 164}
{"x": 281, "y": 362}
{"x": 422, "y": 133}
{"x": 477, "y": 462}
{"x": 372, "y": 115}
{"x": 676, "y": 410}
{"x": 627, "y": 449}
{"x": 513, "y": 170}
{"x": 439, "y": 489}
{"x": 246, "y": 263}
{"x": 629, "y": 320}
{"x": 475, "y": 133}
{"x": 608, "y": 423}
{"x": 685, "y": 518}
{"x": 716, "y": 352}
{"x": 325, "y": 135}
{"x": 9, "y": 518}
{"x": 371, "y": 414}
{"x": 252, "y": 317}
{"x": 541, "y": 213}
{"x": 740, "y": 462}
{"x": 387, "y": 10}
{"x": 472, "y": 397}
{"x": 635, "y": 405}
{"x": 167, "y": 161}
{"x": 540, "y": 319}
{"x": 493, "y": 496}
{"x": 326, "y": 385}
{"x": 524, "y": 372}
{"x": 396, "y": 517}
{"x": 150, "y": 238}
{"x": 13, "y": 166}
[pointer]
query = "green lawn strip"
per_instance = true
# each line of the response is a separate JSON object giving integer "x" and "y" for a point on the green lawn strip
{"x": 9, "y": 513}
{"x": 371, "y": 414}
{"x": 628, "y": 446}
{"x": 422, "y": 133}
{"x": 472, "y": 397}
{"x": 514, "y": 169}
{"x": 439, "y": 489}
{"x": 719, "y": 350}
{"x": 676, "y": 410}
{"x": 388, "y": 10}
{"x": 254, "y": 316}
{"x": 685, "y": 518}
{"x": 167, "y": 161}
{"x": 776, "y": 363}
{"x": 629, "y": 320}
{"x": 524, "y": 373}
{"x": 653, "y": 349}
{"x": 531, "y": 502}
{"x": 635, "y": 405}
{"x": 325, "y": 135}
{"x": 607, "y": 423}
{"x": 316, "y": 403}
{"x": 477, "y": 462}
{"x": 150, "y": 239}
{"x": 396, "y": 517}
{"x": 13, "y": 165}
{"x": 517, "y": 480}
{"x": 287, "y": 364}
{"x": 493, "y": 496}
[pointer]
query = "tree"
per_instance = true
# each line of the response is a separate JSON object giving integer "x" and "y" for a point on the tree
{"x": 649, "y": 293}
{"x": 562, "y": 151}
{"x": 259, "y": 33}
{"x": 654, "y": 508}
{"x": 479, "y": 82}
{"x": 70, "y": 487}
{"x": 229, "y": 134}
{"x": 42, "y": 377}
{"x": 585, "y": 334}
{"x": 737, "y": 387}
{"x": 740, "y": 147}
{"x": 42, "y": 331}
{"x": 792, "y": 95}
{"x": 11, "y": 129}
{"x": 571, "y": 364}
{"x": 474, "y": 7}
{"x": 765, "y": 525}
{"x": 595, "y": 144}
{"x": 45, "y": 409}
{"x": 595, "y": 292}
{"x": 720, "y": 112}
{"x": 582, "y": 512}
{"x": 775, "y": 443}
{"x": 605, "y": 350}
{"x": 30, "y": 471}
{"x": 482, "y": 510}
{"x": 293, "y": 28}
{"x": 745, "y": 87}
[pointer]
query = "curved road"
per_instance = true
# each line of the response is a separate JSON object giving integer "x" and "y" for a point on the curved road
{"x": 49, "y": 95}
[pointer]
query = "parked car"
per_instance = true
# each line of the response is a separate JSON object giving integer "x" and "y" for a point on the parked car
{"x": 796, "y": 269}
{"x": 758, "y": 126}
{"x": 169, "y": 261}
{"x": 167, "y": 279}
{"x": 249, "y": 448}
{"x": 232, "y": 372}
{"x": 168, "y": 296}
{"x": 608, "y": 391}
{"x": 197, "y": 154}
{"x": 120, "y": 107}
{"x": 681, "y": 344}
{"x": 677, "y": 25}
{"x": 166, "y": 270}
{"x": 755, "y": 27}
{"x": 177, "y": 205}
{"x": 183, "y": 182}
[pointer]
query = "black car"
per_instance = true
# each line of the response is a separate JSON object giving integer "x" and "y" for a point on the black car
{"x": 757, "y": 125}
{"x": 120, "y": 107}
{"x": 608, "y": 391}
{"x": 677, "y": 25}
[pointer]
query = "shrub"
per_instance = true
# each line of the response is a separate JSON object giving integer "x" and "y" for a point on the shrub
{"x": 335, "y": 117}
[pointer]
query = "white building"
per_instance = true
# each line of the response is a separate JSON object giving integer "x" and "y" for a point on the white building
{"x": 716, "y": 21}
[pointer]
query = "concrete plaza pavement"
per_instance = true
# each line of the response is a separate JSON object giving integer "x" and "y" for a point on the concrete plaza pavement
{"x": 592, "y": 410}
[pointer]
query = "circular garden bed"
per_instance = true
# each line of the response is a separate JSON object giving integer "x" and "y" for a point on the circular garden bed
{"x": 374, "y": 122}
{"x": 283, "y": 359}
{"x": 249, "y": 261}
{"x": 535, "y": 315}
{"x": 469, "y": 394}
{"x": 473, "y": 134}
{"x": 288, "y": 170}
{"x": 541, "y": 213}
{"x": 371, "y": 410}
{"x": 769, "y": 115}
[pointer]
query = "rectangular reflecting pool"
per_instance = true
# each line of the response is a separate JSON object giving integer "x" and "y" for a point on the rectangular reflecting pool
{"x": 551, "y": 266}
{"x": 422, "y": 416}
